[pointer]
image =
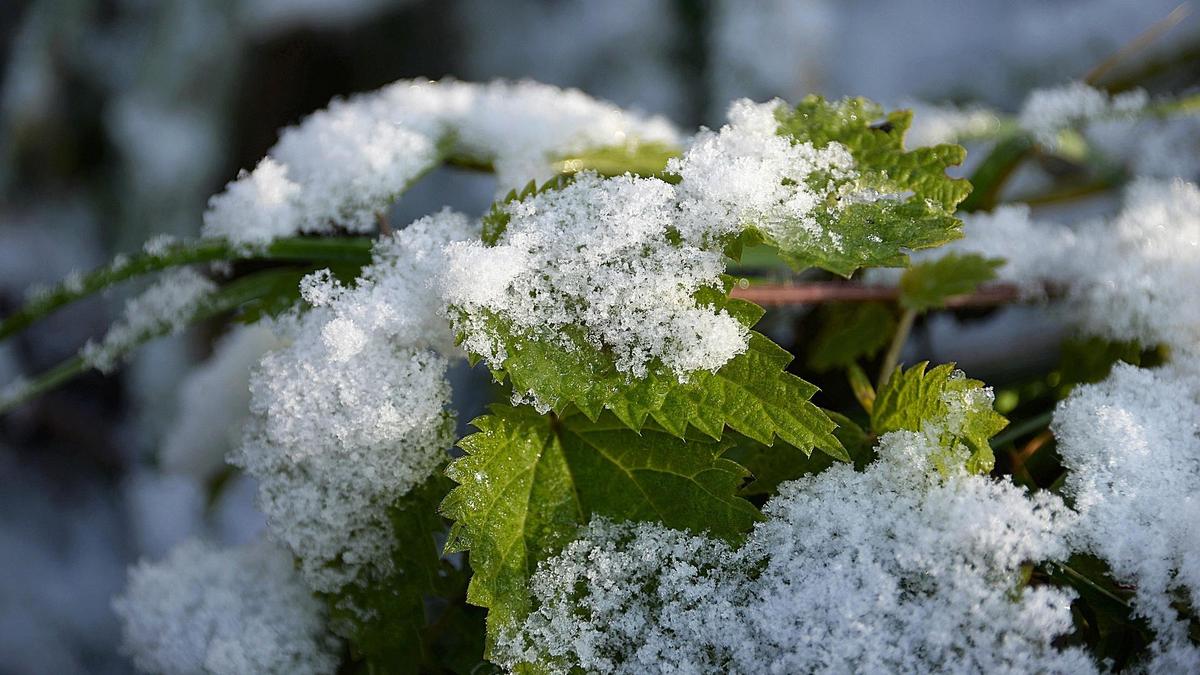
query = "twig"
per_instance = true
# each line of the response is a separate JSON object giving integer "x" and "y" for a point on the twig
{"x": 1138, "y": 43}
{"x": 892, "y": 357}
{"x": 815, "y": 293}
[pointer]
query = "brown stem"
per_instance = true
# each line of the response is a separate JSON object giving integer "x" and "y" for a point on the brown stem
{"x": 815, "y": 293}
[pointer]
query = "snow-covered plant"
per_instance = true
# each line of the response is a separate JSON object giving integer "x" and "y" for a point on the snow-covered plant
{"x": 657, "y": 485}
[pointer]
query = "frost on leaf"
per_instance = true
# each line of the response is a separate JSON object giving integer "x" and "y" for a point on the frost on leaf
{"x": 591, "y": 296}
{"x": 953, "y": 410}
{"x": 226, "y": 612}
{"x": 529, "y": 481}
{"x": 850, "y": 572}
{"x": 1131, "y": 446}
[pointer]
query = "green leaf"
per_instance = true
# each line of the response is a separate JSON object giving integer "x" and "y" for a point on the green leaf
{"x": 849, "y": 331}
{"x": 392, "y": 638}
{"x": 927, "y": 284}
{"x": 771, "y": 466}
{"x": 909, "y": 200}
{"x": 647, "y": 159}
{"x": 752, "y": 393}
{"x": 945, "y": 402}
{"x": 528, "y": 481}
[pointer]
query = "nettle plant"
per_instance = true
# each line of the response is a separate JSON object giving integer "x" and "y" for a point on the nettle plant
{"x": 654, "y": 488}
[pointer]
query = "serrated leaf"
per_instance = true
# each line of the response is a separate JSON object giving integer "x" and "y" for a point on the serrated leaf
{"x": 389, "y": 639}
{"x": 945, "y": 401}
{"x": 927, "y": 284}
{"x": 528, "y": 481}
{"x": 849, "y": 331}
{"x": 900, "y": 200}
{"x": 771, "y": 466}
{"x": 752, "y": 393}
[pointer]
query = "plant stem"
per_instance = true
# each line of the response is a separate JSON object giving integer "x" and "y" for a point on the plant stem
{"x": 327, "y": 249}
{"x": 776, "y": 295}
{"x": 903, "y": 328}
{"x": 234, "y": 294}
{"x": 1022, "y": 428}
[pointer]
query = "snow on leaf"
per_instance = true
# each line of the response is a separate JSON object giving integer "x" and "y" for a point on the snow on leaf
{"x": 529, "y": 481}
{"x": 895, "y": 200}
{"x": 944, "y": 404}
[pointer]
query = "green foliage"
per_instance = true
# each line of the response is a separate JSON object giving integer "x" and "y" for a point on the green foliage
{"x": 528, "y": 481}
{"x": 917, "y": 201}
{"x": 944, "y": 401}
{"x": 392, "y": 638}
{"x": 771, "y": 466}
{"x": 639, "y": 158}
{"x": 849, "y": 331}
{"x": 753, "y": 393}
{"x": 926, "y": 285}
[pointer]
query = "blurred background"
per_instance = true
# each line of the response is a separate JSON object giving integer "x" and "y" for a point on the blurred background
{"x": 119, "y": 118}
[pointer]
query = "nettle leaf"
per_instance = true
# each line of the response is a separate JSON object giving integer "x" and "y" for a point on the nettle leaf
{"x": 945, "y": 401}
{"x": 927, "y": 284}
{"x": 390, "y": 638}
{"x": 529, "y": 481}
{"x": 771, "y": 466}
{"x": 850, "y": 331}
{"x": 901, "y": 200}
{"x": 639, "y": 158}
{"x": 752, "y": 394}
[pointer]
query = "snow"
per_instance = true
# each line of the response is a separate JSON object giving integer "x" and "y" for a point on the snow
{"x": 166, "y": 307}
{"x": 595, "y": 256}
{"x": 747, "y": 174}
{"x": 342, "y": 166}
{"x": 895, "y": 569}
{"x": 231, "y": 611}
{"x": 214, "y": 401}
{"x": 1132, "y": 447}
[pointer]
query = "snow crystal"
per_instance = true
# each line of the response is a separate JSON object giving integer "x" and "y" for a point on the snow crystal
{"x": 895, "y": 569}
{"x": 352, "y": 414}
{"x": 396, "y": 295}
{"x": 1132, "y": 445}
{"x": 344, "y": 164}
{"x": 206, "y": 610}
{"x": 214, "y": 401}
{"x": 595, "y": 256}
{"x": 256, "y": 208}
{"x": 1046, "y": 112}
{"x": 167, "y": 306}
{"x": 747, "y": 174}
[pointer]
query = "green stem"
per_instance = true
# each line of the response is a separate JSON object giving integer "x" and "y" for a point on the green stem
{"x": 993, "y": 172}
{"x": 903, "y": 328}
{"x": 234, "y": 294}
{"x": 1022, "y": 428}
{"x": 331, "y": 249}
